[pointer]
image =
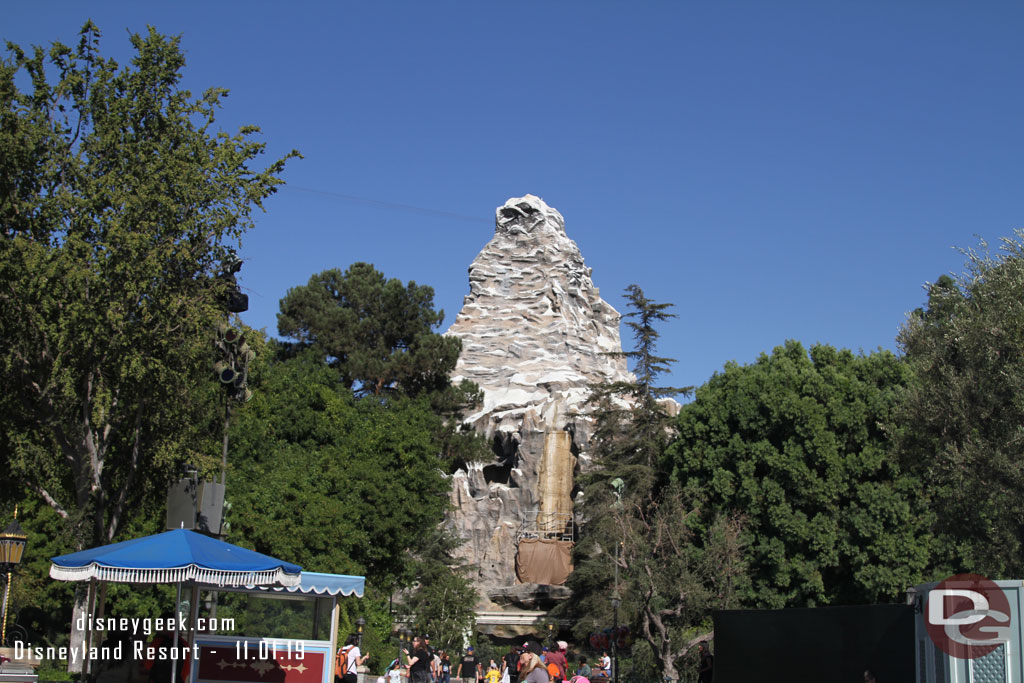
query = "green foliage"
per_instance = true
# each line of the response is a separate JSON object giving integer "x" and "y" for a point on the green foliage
{"x": 646, "y": 365}
{"x": 443, "y": 600}
{"x": 330, "y": 482}
{"x": 377, "y": 333}
{"x": 640, "y": 541}
{"x": 119, "y": 203}
{"x": 795, "y": 443}
{"x": 353, "y": 485}
{"x": 962, "y": 412}
{"x": 38, "y": 603}
{"x": 672, "y": 572}
{"x": 631, "y": 426}
{"x": 376, "y": 608}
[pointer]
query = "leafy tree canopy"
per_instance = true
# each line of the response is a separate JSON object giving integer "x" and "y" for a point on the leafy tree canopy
{"x": 794, "y": 442}
{"x": 962, "y": 412}
{"x": 378, "y": 333}
{"x": 330, "y": 482}
{"x": 354, "y": 485}
{"x": 639, "y": 541}
{"x": 631, "y": 424}
{"x": 119, "y": 205}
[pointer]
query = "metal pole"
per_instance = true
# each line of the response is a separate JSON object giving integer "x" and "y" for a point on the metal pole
{"x": 615, "y": 616}
{"x": 7, "y": 592}
{"x": 224, "y": 453}
{"x": 615, "y": 639}
{"x": 174, "y": 643}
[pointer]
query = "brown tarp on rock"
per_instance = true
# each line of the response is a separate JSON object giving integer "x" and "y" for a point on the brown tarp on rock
{"x": 544, "y": 560}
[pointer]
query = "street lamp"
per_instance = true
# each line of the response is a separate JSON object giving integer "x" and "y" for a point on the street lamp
{"x": 551, "y": 631}
{"x": 12, "y": 545}
{"x": 406, "y": 635}
{"x": 617, "y": 488}
{"x": 360, "y": 623}
{"x": 401, "y": 646}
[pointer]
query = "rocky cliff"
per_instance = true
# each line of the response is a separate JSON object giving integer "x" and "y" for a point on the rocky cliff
{"x": 534, "y": 333}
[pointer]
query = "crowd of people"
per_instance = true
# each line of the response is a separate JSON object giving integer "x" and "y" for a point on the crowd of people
{"x": 526, "y": 663}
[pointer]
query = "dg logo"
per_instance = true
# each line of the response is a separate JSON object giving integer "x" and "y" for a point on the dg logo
{"x": 967, "y": 616}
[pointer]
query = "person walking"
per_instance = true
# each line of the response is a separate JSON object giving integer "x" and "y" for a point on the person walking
{"x": 469, "y": 667}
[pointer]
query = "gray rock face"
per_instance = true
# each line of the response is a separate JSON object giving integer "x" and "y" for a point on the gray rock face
{"x": 534, "y": 330}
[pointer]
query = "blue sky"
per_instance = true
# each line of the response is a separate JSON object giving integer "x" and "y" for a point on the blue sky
{"x": 784, "y": 170}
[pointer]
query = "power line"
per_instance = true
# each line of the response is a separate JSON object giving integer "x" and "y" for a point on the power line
{"x": 379, "y": 203}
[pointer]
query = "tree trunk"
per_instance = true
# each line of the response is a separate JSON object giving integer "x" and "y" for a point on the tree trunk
{"x": 79, "y": 616}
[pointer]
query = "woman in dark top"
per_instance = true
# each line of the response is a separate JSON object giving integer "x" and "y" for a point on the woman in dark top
{"x": 419, "y": 662}
{"x": 511, "y": 661}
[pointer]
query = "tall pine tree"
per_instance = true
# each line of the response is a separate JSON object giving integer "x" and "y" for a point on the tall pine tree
{"x": 640, "y": 542}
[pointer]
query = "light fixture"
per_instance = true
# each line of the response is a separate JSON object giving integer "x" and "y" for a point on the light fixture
{"x": 12, "y": 546}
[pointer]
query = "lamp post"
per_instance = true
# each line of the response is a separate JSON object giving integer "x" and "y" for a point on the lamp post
{"x": 406, "y": 638}
{"x": 360, "y": 623}
{"x": 617, "y": 487}
{"x": 401, "y": 646}
{"x": 12, "y": 545}
{"x": 615, "y": 631}
{"x": 551, "y": 632}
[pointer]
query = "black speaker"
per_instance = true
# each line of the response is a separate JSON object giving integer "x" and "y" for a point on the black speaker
{"x": 181, "y": 504}
{"x": 237, "y": 302}
{"x": 211, "y": 508}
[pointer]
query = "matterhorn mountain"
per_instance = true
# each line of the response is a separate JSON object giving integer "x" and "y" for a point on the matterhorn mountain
{"x": 535, "y": 334}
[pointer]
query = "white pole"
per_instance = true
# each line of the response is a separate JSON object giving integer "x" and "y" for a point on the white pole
{"x": 177, "y": 615}
{"x": 194, "y": 631}
{"x": 334, "y": 640}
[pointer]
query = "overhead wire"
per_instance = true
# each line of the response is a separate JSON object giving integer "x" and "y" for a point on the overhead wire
{"x": 379, "y": 203}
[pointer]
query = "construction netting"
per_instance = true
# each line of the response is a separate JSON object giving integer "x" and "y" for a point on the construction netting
{"x": 544, "y": 560}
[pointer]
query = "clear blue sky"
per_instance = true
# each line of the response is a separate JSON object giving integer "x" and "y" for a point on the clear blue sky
{"x": 778, "y": 170}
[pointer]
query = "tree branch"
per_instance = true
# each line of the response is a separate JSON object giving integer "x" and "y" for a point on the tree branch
{"x": 133, "y": 468}
{"x": 58, "y": 508}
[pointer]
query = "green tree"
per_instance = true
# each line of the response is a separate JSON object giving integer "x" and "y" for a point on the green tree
{"x": 344, "y": 484}
{"x": 639, "y": 541}
{"x": 331, "y": 482}
{"x": 378, "y": 333}
{"x": 632, "y": 426}
{"x": 961, "y": 414}
{"x": 442, "y": 600}
{"x": 119, "y": 203}
{"x": 795, "y": 443}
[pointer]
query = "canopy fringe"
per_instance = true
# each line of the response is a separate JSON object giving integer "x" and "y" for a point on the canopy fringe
{"x": 192, "y": 572}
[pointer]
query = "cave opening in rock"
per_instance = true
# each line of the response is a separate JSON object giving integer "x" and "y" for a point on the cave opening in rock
{"x": 505, "y": 447}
